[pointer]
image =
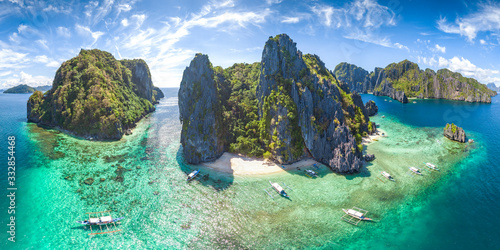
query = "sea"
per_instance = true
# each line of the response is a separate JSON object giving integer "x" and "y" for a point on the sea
{"x": 142, "y": 178}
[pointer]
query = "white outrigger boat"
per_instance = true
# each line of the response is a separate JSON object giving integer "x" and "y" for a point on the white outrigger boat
{"x": 101, "y": 221}
{"x": 280, "y": 190}
{"x": 387, "y": 175}
{"x": 311, "y": 173}
{"x": 431, "y": 166}
{"x": 415, "y": 170}
{"x": 193, "y": 175}
{"x": 355, "y": 215}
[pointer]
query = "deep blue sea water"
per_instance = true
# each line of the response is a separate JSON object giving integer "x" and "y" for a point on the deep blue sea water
{"x": 457, "y": 211}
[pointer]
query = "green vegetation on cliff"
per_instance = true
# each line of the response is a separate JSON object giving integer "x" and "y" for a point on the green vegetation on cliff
{"x": 93, "y": 94}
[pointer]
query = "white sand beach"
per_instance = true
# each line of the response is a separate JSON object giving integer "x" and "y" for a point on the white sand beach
{"x": 241, "y": 165}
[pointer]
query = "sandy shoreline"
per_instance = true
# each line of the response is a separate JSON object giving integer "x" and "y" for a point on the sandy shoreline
{"x": 375, "y": 137}
{"x": 241, "y": 165}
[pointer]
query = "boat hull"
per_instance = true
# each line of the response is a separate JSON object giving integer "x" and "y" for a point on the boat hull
{"x": 85, "y": 222}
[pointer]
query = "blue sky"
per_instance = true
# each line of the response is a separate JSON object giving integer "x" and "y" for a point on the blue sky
{"x": 37, "y": 36}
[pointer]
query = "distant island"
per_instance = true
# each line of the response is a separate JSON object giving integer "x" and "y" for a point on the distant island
{"x": 286, "y": 108}
{"x": 95, "y": 96}
{"x": 405, "y": 79}
{"x": 493, "y": 87}
{"x": 25, "y": 89}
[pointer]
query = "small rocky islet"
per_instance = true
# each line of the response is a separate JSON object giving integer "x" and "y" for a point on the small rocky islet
{"x": 95, "y": 96}
{"x": 454, "y": 132}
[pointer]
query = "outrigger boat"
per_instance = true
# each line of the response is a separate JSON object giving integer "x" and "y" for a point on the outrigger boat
{"x": 387, "y": 175}
{"x": 311, "y": 173}
{"x": 280, "y": 190}
{"x": 431, "y": 166}
{"x": 355, "y": 215}
{"x": 415, "y": 170}
{"x": 102, "y": 221}
{"x": 193, "y": 175}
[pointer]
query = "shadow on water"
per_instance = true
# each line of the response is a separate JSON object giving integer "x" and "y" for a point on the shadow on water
{"x": 207, "y": 177}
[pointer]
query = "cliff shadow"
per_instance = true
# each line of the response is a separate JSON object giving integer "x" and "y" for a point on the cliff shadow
{"x": 363, "y": 172}
{"x": 217, "y": 180}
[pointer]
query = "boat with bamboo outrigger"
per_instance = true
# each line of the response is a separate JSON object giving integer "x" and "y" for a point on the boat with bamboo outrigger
{"x": 280, "y": 190}
{"x": 355, "y": 215}
{"x": 104, "y": 220}
{"x": 431, "y": 166}
{"x": 310, "y": 173}
{"x": 193, "y": 175}
{"x": 387, "y": 175}
{"x": 415, "y": 170}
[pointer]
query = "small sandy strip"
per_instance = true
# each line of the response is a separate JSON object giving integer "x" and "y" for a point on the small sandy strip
{"x": 241, "y": 165}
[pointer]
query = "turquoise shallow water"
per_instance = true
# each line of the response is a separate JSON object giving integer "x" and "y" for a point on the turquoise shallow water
{"x": 453, "y": 208}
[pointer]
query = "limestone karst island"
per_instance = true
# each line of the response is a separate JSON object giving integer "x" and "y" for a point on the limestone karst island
{"x": 266, "y": 124}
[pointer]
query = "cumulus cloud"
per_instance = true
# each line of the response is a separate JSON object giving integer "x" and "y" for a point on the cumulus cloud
{"x": 25, "y": 78}
{"x": 463, "y": 66}
{"x": 441, "y": 49}
{"x": 486, "y": 19}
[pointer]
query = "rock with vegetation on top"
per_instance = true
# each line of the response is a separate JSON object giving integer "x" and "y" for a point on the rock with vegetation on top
{"x": 406, "y": 79}
{"x": 95, "y": 96}
{"x": 453, "y": 132}
{"x": 285, "y": 108}
{"x": 200, "y": 113}
{"x": 371, "y": 107}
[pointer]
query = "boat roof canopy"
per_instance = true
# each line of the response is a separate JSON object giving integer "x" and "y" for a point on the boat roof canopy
{"x": 106, "y": 219}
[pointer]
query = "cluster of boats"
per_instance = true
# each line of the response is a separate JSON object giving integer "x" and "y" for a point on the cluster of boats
{"x": 414, "y": 170}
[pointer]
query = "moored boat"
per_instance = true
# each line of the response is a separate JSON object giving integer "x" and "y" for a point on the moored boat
{"x": 431, "y": 166}
{"x": 100, "y": 221}
{"x": 356, "y": 214}
{"x": 387, "y": 175}
{"x": 193, "y": 175}
{"x": 415, "y": 170}
{"x": 279, "y": 189}
{"x": 311, "y": 173}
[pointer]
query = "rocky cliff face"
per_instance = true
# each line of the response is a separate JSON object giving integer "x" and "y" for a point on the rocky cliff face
{"x": 453, "y": 132}
{"x": 371, "y": 107}
{"x": 200, "y": 113}
{"x": 95, "y": 96}
{"x": 493, "y": 87}
{"x": 302, "y": 110}
{"x": 406, "y": 79}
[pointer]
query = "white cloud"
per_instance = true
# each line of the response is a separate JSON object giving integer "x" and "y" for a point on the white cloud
{"x": 85, "y": 31}
{"x": 482, "y": 42}
{"x": 441, "y": 49}
{"x": 139, "y": 19}
{"x": 124, "y": 7}
{"x": 468, "y": 69}
{"x": 487, "y": 19}
{"x": 290, "y": 20}
{"x": 63, "y": 31}
{"x": 41, "y": 59}
{"x": 124, "y": 22}
{"x": 12, "y": 59}
{"x": 359, "y": 20}
{"x": 25, "y": 78}
{"x": 43, "y": 43}
{"x": 270, "y": 2}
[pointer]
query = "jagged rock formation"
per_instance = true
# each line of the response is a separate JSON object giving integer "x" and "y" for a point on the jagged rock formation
{"x": 95, "y": 96}
{"x": 200, "y": 113}
{"x": 371, "y": 107}
{"x": 493, "y": 87}
{"x": 453, "y": 132}
{"x": 406, "y": 79}
{"x": 302, "y": 110}
{"x": 369, "y": 157}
